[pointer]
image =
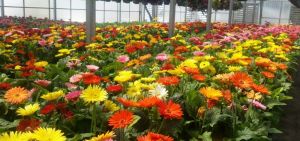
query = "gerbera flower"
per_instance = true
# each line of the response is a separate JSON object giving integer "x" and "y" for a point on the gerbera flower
{"x": 127, "y": 103}
{"x": 28, "y": 109}
{"x": 48, "y": 109}
{"x": 75, "y": 78}
{"x": 114, "y": 88}
{"x": 204, "y": 65}
{"x": 124, "y": 76}
{"x": 111, "y": 106}
{"x": 211, "y": 93}
{"x": 11, "y": 136}
{"x": 16, "y": 95}
{"x": 170, "y": 110}
{"x": 53, "y": 95}
{"x": 5, "y": 86}
{"x": 149, "y": 102}
{"x": 93, "y": 94}
{"x": 49, "y": 134}
{"x": 43, "y": 83}
{"x": 123, "y": 59}
{"x": 260, "y": 88}
{"x": 154, "y": 137}
{"x": 227, "y": 96}
{"x": 121, "y": 119}
{"x": 28, "y": 124}
{"x": 90, "y": 78}
{"x": 267, "y": 74}
{"x": 199, "y": 77}
{"x": 241, "y": 80}
{"x": 92, "y": 68}
{"x": 73, "y": 96}
{"x": 192, "y": 71}
{"x": 257, "y": 104}
{"x": 161, "y": 57}
{"x": 108, "y": 136}
{"x": 159, "y": 91}
{"x": 169, "y": 80}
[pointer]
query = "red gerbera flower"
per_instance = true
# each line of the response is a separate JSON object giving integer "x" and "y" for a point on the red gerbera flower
{"x": 127, "y": 103}
{"x": 211, "y": 103}
{"x": 170, "y": 110}
{"x": 167, "y": 66}
{"x": 192, "y": 71}
{"x": 121, "y": 119}
{"x": 154, "y": 137}
{"x": 241, "y": 80}
{"x": 227, "y": 96}
{"x": 149, "y": 102}
{"x": 5, "y": 86}
{"x": 169, "y": 80}
{"x": 48, "y": 109}
{"x": 114, "y": 88}
{"x": 90, "y": 78}
{"x": 268, "y": 74}
{"x": 260, "y": 88}
{"x": 199, "y": 77}
{"x": 28, "y": 124}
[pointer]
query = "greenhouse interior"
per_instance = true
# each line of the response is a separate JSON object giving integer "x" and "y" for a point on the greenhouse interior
{"x": 149, "y": 70}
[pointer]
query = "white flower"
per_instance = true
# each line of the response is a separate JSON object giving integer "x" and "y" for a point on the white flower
{"x": 159, "y": 91}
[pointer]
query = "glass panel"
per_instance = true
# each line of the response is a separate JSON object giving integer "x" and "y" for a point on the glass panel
{"x": 99, "y": 16}
{"x": 134, "y": 7}
{"x": 134, "y": 16}
{"x": 63, "y": 14}
{"x": 110, "y": 16}
{"x": 78, "y": 15}
{"x": 39, "y": 13}
{"x": 111, "y": 6}
{"x": 36, "y": 3}
{"x": 125, "y": 17}
{"x": 13, "y": 2}
{"x": 63, "y": 3}
{"x": 78, "y": 4}
{"x": 124, "y": 6}
{"x": 13, "y": 12}
{"x": 100, "y": 5}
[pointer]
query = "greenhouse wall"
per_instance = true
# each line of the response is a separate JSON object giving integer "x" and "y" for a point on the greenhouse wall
{"x": 74, "y": 10}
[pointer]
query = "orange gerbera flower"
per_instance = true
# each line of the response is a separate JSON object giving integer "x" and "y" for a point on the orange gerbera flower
{"x": 121, "y": 119}
{"x": 170, "y": 110}
{"x": 241, "y": 80}
{"x": 154, "y": 137}
{"x": 128, "y": 103}
{"x": 169, "y": 80}
{"x": 227, "y": 96}
{"x": 268, "y": 74}
{"x": 199, "y": 77}
{"x": 282, "y": 66}
{"x": 149, "y": 102}
{"x": 16, "y": 95}
{"x": 260, "y": 88}
{"x": 192, "y": 71}
{"x": 145, "y": 57}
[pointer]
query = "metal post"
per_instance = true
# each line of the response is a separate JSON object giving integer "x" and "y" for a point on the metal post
{"x": 140, "y": 12}
{"x": 172, "y": 17}
{"x": 185, "y": 13}
{"x": 70, "y": 10}
{"x": 280, "y": 13}
{"x": 90, "y": 20}
{"x": 120, "y": 12}
{"x": 164, "y": 12}
{"x": 49, "y": 9}
{"x": 154, "y": 12}
{"x": 208, "y": 18}
{"x": 129, "y": 11}
{"x": 54, "y": 10}
{"x": 24, "y": 8}
{"x": 244, "y": 11}
{"x": 2, "y": 8}
{"x": 215, "y": 15}
{"x": 104, "y": 12}
{"x": 230, "y": 12}
{"x": 261, "y": 11}
{"x": 254, "y": 11}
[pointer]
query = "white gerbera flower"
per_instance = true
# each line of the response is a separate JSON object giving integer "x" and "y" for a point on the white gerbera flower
{"x": 159, "y": 91}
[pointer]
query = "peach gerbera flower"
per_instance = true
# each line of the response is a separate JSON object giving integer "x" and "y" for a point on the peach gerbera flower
{"x": 16, "y": 95}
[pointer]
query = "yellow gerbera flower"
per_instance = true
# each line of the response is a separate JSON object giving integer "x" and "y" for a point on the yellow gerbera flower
{"x": 48, "y": 134}
{"x": 28, "y": 109}
{"x": 41, "y": 64}
{"x": 94, "y": 94}
{"x": 111, "y": 106}
{"x": 53, "y": 95}
{"x": 11, "y": 136}
{"x": 103, "y": 137}
{"x": 211, "y": 93}
{"x": 124, "y": 76}
{"x": 204, "y": 64}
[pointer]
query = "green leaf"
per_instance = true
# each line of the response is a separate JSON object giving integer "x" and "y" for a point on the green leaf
{"x": 271, "y": 104}
{"x": 135, "y": 120}
{"x": 274, "y": 130}
{"x": 206, "y": 136}
{"x": 5, "y": 125}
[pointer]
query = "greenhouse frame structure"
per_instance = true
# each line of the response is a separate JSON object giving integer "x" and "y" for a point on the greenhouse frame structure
{"x": 248, "y": 14}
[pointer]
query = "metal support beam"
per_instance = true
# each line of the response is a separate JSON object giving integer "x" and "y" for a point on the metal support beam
{"x": 172, "y": 17}
{"x": 104, "y": 12}
{"x": 2, "y": 8}
{"x": 244, "y": 11}
{"x": 154, "y": 12}
{"x": 49, "y": 8}
{"x": 280, "y": 12}
{"x": 261, "y": 11}
{"x": 54, "y": 10}
{"x": 141, "y": 12}
{"x": 70, "y": 10}
{"x": 90, "y": 20}
{"x": 185, "y": 13}
{"x": 230, "y": 12}
{"x": 24, "y": 14}
{"x": 208, "y": 18}
{"x": 254, "y": 12}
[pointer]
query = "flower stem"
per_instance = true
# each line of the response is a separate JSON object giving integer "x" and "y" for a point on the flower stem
{"x": 94, "y": 121}
{"x": 161, "y": 125}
